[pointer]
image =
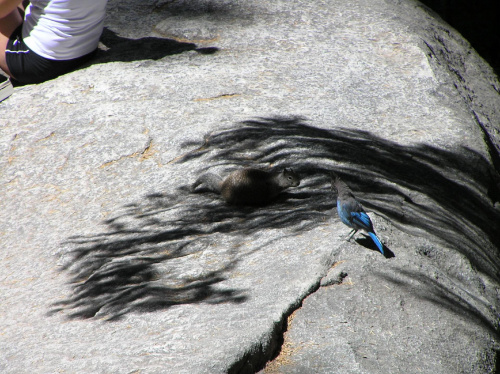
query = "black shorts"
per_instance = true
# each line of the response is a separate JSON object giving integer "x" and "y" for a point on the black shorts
{"x": 28, "y": 67}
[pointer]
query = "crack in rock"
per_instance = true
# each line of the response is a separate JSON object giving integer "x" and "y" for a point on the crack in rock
{"x": 270, "y": 347}
{"x": 146, "y": 152}
{"x": 274, "y": 347}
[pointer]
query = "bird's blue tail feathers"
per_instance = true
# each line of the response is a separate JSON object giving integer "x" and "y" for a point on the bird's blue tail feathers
{"x": 377, "y": 242}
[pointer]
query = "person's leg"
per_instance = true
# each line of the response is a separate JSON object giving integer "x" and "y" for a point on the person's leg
{"x": 8, "y": 25}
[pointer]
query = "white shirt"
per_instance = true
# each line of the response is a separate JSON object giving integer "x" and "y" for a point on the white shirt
{"x": 63, "y": 29}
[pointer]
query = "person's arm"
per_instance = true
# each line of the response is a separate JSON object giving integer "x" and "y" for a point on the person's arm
{"x": 7, "y": 6}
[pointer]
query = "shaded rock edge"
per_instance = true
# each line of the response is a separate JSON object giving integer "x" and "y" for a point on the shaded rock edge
{"x": 454, "y": 59}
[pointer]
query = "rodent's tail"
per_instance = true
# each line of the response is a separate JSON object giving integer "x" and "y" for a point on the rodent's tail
{"x": 208, "y": 182}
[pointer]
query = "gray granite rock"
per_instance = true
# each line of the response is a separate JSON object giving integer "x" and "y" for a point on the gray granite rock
{"x": 110, "y": 264}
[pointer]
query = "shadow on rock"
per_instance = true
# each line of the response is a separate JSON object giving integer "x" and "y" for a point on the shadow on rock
{"x": 178, "y": 248}
{"x": 447, "y": 194}
{"x": 116, "y": 48}
{"x": 477, "y": 21}
{"x": 367, "y": 242}
{"x": 172, "y": 249}
{"x": 450, "y": 295}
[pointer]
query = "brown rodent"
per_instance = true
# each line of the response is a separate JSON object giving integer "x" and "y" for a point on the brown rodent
{"x": 249, "y": 186}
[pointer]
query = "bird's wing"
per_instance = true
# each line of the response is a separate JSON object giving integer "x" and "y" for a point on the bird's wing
{"x": 362, "y": 220}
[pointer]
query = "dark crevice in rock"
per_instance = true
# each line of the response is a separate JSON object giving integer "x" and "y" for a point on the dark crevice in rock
{"x": 497, "y": 363}
{"x": 261, "y": 355}
{"x": 257, "y": 357}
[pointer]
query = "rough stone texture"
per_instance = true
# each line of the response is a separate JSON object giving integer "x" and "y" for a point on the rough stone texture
{"x": 111, "y": 265}
{"x": 477, "y": 22}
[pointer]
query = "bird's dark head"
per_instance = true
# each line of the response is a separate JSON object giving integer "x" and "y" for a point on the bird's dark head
{"x": 335, "y": 180}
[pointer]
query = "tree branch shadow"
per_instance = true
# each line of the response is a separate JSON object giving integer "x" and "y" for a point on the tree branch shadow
{"x": 153, "y": 254}
{"x": 423, "y": 189}
{"x": 450, "y": 295}
{"x": 170, "y": 249}
{"x": 441, "y": 194}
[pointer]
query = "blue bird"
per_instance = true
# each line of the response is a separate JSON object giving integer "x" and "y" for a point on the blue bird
{"x": 351, "y": 212}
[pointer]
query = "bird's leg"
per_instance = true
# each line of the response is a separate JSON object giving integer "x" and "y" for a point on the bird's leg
{"x": 351, "y": 234}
